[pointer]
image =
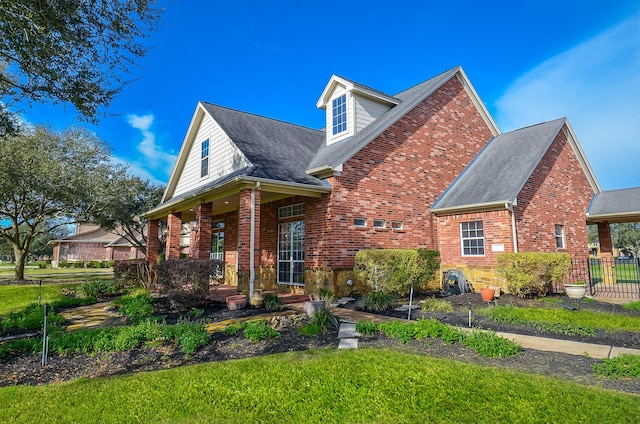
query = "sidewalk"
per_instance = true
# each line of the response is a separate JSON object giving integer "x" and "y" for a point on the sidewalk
{"x": 527, "y": 342}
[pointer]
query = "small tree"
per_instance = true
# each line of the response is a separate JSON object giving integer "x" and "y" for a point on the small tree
{"x": 77, "y": 52}
{"x": 121, "y": 208}
{"x": 49, "y": 179}
{"x": 627, "y": 236}
{"x": 392, "y": 270}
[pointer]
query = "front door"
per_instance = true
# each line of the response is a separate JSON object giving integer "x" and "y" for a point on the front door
{"x": 291, "y": 253}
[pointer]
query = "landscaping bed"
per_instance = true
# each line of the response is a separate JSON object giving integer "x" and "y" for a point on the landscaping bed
{"x": 460, "y": 316}
{"x": 26, "y": 369}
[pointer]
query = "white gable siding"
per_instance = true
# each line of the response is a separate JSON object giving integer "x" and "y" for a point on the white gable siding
{"x": 224, "y": 157}
{"x": 366, "y": 111}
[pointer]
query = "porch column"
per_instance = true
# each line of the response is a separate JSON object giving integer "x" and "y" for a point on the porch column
{"x": 606, "y": 253}
{"x": 201, "y": 239}
{"x": 244, "y": 237}
{"x": 153, "y": 241}
{"x": 174, "y": 222}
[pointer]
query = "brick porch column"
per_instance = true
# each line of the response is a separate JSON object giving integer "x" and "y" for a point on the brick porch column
{"x": 201, "y": 239}
{"x": 244, "y": 232}
{"x": 153, "y": 241}
{"x": 606, "y": 253}
{"x": 174, "y": 222}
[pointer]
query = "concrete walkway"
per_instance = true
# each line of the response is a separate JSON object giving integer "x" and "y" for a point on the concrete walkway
{"x": 527, "y": 342}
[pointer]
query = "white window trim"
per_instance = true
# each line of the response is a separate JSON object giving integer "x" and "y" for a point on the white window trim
{"x": 344, "y": 112}
{"x": 204, "y": 158}
{"x": 561, "y": 236}
{"x": 360, "y": 226}
{"x": 379, "y": 227}
{"x": 398, "y": 227}
{"x": 291, "y": 211}
{"x": 462, "y": 239}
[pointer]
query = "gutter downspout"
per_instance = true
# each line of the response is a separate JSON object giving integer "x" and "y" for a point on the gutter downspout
{"x": 252, "y": 240}
{"x": 513, "y": 226}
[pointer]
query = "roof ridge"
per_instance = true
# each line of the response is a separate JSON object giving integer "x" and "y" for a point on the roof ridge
{"x": 260, "y": 116}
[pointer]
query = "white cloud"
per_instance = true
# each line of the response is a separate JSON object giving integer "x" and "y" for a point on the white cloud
{"x": 155, "y": 161}
{"x": 596, "y": 85}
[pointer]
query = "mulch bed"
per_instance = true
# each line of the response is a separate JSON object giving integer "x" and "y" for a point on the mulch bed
{"x": 28, "y": 370}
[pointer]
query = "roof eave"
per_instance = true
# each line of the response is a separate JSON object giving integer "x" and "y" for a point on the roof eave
{"x": 234, "y": 186}
{"x": 477, "y": 207}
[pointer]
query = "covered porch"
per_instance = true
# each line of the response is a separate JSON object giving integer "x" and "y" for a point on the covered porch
{"x": 610, "y": 276}
{"x": 246, "y": 222}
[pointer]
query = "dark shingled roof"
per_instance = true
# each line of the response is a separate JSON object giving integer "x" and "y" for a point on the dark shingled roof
{"x": 502, "y": 168}
{"x": 337, "y": 153}
{"x": 615, "y": 202}
{"x": 277, "y": 150}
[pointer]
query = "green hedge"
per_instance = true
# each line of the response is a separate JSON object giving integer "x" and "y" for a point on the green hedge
{"x": 531, "y": 273}
{"x": 392, "y": 270}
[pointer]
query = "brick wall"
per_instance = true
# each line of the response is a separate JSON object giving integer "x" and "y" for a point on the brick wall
{"x": 174, "y": 222}
{"x": 558, "y": 192}
{"x": 398, "y": 176}
{"x": 498, "y": 232}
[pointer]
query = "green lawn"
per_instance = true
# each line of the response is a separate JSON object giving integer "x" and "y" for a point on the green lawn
{"x": 331, "y": 386}
{"x": 58, "y": 274}
{"x": 16, "y": 297}
{"x": 626, "y": 272}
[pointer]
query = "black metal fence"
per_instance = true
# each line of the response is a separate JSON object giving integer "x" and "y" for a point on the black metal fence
{"x": 606, "y": 277}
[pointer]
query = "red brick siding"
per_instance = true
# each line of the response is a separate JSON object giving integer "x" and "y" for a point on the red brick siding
{"x": 398, "y": 176}
{"x": 201, "y": 239}
{"x": 558, "y": 192}
{"x": 153, "y": 242}
{"x": 498, "y": 230}
{"x": 174, "y": 222}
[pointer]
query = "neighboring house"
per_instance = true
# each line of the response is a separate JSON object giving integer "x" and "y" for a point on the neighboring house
{"x": 92, "y": 243}
{"x": 288, "y": 207}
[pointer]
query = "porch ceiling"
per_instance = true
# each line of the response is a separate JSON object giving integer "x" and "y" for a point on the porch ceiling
{"x": 227, "y": 198}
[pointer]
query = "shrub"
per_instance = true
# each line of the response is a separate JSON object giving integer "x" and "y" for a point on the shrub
{"x": 633, "y": 306}
{"x": 490, "y": 345}
{"x": 79, "y": 264}
{"x": 392, "y": 270}
{"x": 189, "y": 336}
{"x": 432, "y": 304}
{"x": 99, "y": 289}
{"x": 622, "y": 366}
{"x": 321, "y": 322}
{"x": 137, "y": 306}
{"x": 196, "y": 313}
{"x": 133, "y": 272}
{"x": 71, "y": 302}
{"x": 272, "y": 302}
{"x": 64, "y": 264}
{"x": 531, "y": 274}
{"x": 186, "y": 282}
{"x": 94, "y": 264}
{"x": 259, "y": 330}
{"x": 376, "y": 302}
{"x": 366, "y": 328}
{"x": 31, "y": 318}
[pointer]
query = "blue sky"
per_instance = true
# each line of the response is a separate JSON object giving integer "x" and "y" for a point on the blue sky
{"x": 529, "y": 61}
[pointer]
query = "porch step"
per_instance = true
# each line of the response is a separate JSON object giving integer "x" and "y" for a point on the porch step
{"x": 348, "y": 336}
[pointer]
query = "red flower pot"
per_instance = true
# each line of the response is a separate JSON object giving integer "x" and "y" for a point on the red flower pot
{"x": 487, "y": 294}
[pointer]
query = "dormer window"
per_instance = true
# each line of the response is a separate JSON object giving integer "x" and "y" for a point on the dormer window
{"x": 204, "y": 158}
{"x": 339, "y": 112}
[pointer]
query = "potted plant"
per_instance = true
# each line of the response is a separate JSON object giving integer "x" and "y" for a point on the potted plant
{"x": 237, "y": 301}
{"x": 487, "y": 294}
{"x": 576, "y": 290}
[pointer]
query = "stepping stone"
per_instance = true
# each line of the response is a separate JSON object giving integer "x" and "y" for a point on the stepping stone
{"x": 347, "y": 330}
{"x": 405, "y": 308}
{"x": 348, "y": 344}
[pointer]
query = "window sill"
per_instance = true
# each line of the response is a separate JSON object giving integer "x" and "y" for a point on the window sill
{"x": 399, "y": 231}
{"x": 360, "y": 228}
{"x": 381, "y": 229}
